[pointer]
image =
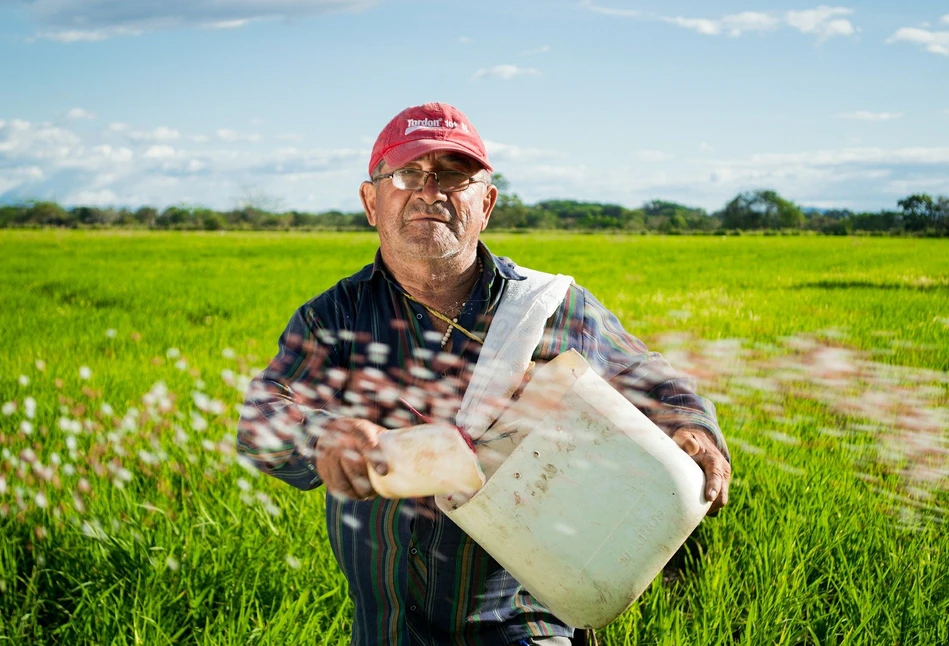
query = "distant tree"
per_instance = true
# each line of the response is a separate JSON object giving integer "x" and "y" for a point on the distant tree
{"x": 667, "y": 217}
{"x": 761, "y": 209}
{"x": 174, "y": 217}
{"x": 501, "y": 182}
{"x": 50, "y": 214}
{"x": 146, "y": 215}
{"x": 509, "y": 211}
{"x": 922, "y": 212}
{"x": 300, "y": 220}
{"x": 888, "y": 221}
{"x": 12, "y": 215}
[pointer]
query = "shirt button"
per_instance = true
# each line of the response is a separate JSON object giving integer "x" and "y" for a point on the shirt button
{"x": 413, "y": 608}
{"x": 418, "y": 316}
{"x": 413, "y": 551}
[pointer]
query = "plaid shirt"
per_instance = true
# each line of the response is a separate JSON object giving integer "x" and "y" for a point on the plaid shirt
{"x": 363, "y": 349}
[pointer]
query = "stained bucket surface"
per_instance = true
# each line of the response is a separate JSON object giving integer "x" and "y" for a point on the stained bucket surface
{"x": 586, "y": 499}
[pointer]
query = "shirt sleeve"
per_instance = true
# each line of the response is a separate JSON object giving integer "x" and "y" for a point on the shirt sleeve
{"x": 285, "y": 405}
{"x": 645, "y": 378}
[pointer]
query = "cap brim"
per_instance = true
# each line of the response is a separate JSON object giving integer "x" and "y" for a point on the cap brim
{"x": 411, "y": 150}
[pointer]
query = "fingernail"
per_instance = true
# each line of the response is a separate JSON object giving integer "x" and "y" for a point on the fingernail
{"x": 712, "y": 495}
{"x": 382, "y": 468}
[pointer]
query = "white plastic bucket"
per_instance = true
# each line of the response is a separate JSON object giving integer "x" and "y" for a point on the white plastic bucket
{"x": 586, "y": 499}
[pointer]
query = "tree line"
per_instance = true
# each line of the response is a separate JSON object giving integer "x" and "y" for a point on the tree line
{"x": 758, "y": 210}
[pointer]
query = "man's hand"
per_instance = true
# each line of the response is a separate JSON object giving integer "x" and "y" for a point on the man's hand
{"x": 347, "y": 445}
{"x": 700, "y": 445}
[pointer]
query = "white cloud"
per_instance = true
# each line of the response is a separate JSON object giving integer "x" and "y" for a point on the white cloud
{"x": 79, "y": 113}
{"x": 750, "y": 21}
{"x": 101, "y": 197}
{"x": 228, "y": 24}
{"x": 935, "y": 42}
{"x": 862, "y": 178}
{"x": 864, "y": 155}
{"x": 464, "y": 40}
{"x": 499, "y": 152}
{"x": 120, "y": 155}
{"x": 160, "y": 151}
{"x": 625, "y": 13}
{"x": 537, "y": 50}
{"x": 705, "y": 147}
{"x": 822, "y": 21}
{"x": 101, "y": 19}
{"x": 229, "y": 135}
{"x": 161, "y": 133}
{"x": 737, "y": 24}
{"x": 701, "y": 25}
{"x": 118, "y": 127}
{"x": 506, "y": 72}
{"x": 945, "y": 19}
{"x": 19, "y": 138}
{"x": 68, "y": 36}
{"x": 654, "y": 156}
{"x": 865, "y": 115}
{"x": 74, "y": 36}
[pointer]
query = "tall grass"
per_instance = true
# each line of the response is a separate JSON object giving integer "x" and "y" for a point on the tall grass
{"x": 126, "y": 519}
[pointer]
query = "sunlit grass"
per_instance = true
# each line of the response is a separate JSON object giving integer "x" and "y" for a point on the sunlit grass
{"x": 126, "y": 517}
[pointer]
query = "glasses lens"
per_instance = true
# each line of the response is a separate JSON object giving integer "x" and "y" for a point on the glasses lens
{"x": 409, "y": 179}
{"x": 414, "y": 179}
{"x": 452, "y": 180}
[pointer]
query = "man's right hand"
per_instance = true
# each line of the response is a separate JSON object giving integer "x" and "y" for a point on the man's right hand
{"x": 346, "y": 446}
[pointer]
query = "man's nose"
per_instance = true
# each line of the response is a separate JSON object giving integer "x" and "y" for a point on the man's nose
{"x": 430, "y": 192}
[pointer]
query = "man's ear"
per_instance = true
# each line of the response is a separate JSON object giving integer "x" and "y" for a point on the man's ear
{"x": 367, "y": 195}
{"x": 488, "y": 201}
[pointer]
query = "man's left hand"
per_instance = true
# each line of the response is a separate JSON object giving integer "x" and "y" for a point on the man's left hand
{"x": 718, "y": 472}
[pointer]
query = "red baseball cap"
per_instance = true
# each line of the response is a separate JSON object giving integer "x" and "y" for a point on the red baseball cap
{"x": 422, "y": 129}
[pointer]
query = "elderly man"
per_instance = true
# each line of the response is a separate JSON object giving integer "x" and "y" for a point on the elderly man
{"x": 395, "y": 344}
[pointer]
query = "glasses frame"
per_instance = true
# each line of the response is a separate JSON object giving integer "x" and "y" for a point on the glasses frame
{"x": 471, "y": 179}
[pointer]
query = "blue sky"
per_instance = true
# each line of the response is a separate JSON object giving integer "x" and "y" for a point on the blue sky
{"x": 277, "y": 102}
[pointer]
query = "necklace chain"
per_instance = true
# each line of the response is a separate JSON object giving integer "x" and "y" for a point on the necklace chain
{"x": 452, "y": 322}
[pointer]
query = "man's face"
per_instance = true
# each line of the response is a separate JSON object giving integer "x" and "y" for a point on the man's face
{"x": 429, "y": 223}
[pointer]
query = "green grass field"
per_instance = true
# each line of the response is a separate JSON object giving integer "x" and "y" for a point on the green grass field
{"x": 126, "y": 519}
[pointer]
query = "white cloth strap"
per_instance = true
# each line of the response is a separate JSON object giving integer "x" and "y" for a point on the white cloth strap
{"x": 515, "y": 331}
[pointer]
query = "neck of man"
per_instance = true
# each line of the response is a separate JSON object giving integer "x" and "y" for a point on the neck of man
{"x": 440, "y": 283}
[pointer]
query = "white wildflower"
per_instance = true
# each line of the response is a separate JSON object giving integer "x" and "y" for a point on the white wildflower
{"x": 198, "y": 423}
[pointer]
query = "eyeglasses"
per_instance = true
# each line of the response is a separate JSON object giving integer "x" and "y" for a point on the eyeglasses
{"x": 415, "y": 179}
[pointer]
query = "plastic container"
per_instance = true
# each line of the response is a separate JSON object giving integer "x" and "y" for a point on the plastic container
{"x": 426, "y": 460}
{"x": 586, "y": 499}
